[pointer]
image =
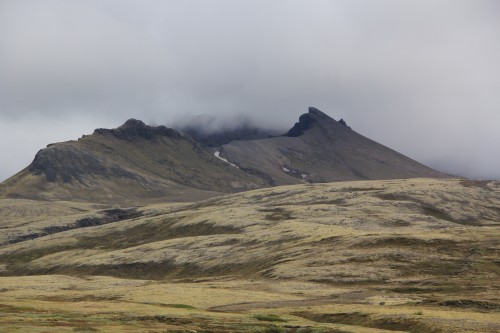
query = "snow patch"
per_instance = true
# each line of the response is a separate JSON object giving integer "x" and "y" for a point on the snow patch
{"x": 217, "y": 154}
{"x": 294, "y": 172}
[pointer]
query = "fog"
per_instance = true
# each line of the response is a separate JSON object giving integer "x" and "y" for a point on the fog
{"x": 419, "y": 76}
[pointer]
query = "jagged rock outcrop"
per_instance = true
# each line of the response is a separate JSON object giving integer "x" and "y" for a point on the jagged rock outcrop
{"x": 342, "y": 122}
{"x": 305, "y": 122}
{"x": 133, "y": 129}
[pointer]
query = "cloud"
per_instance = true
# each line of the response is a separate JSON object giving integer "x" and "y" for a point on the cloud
{"x": 419, "y": 76}
{"x": 22, "y": 138}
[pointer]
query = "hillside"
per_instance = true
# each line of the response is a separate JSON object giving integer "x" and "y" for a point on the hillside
{"x": 417, "y": 255}
{"x": 137, "y": 163}
{"x": 320, "y": 149}
{"x": 133, "y": 163}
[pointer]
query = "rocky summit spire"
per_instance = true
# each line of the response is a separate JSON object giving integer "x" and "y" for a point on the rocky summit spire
{"x": 314, "y": 111}
{"x": 342, "y": 122}
{"x": 135, "y": 129}
{"x": 310, "y": 119}
{"x": 307, "y": 121}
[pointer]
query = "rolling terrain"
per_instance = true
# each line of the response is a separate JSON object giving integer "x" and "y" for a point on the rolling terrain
{"x": 415, "y": 255}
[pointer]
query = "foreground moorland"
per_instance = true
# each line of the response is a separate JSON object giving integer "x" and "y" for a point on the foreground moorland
{"x": 417, "y": 255}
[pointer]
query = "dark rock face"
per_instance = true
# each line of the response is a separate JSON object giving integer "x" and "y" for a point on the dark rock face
{"x": 135, "y": 129}
{"x": 342, "y": 122}
{"x": 306, "y": 121}
{"x": 42, "y": 165}
{"x": 59, "y": 160}
{"x": 71, "y": 164}
{"x": 310, "y": 119}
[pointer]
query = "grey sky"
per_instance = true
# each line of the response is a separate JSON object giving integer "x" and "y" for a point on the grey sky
{"x": 420, "y": 76}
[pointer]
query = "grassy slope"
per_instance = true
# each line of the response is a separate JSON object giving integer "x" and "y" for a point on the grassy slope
{"x": 414, "y": 255}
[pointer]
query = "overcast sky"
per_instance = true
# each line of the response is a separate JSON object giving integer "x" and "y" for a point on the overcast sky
{"x": 419, "y": 76}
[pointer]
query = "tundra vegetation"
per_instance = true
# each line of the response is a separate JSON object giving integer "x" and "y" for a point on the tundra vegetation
{"x": 416, "y": 255}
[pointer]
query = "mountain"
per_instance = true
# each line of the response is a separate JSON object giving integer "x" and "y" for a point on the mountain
{"x": 137, "y": 163}
{"x": 133, "y": 163}
{"x": 321, "y": 149}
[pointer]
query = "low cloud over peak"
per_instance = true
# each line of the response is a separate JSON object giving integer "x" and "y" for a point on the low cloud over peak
{"x": 419, "y": 76}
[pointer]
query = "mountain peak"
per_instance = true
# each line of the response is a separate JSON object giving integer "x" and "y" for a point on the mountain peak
{"x": 135, "y": 129}
{"x": 133, "y": 123}
{"x": 307, "y": 121}
{"x": 316, "y": 112}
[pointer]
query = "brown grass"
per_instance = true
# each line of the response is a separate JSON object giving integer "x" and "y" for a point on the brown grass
{"x": 350, "y": 257}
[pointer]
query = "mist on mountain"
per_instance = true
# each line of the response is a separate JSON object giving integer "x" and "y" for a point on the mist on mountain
{"x": 213, "y": 131}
